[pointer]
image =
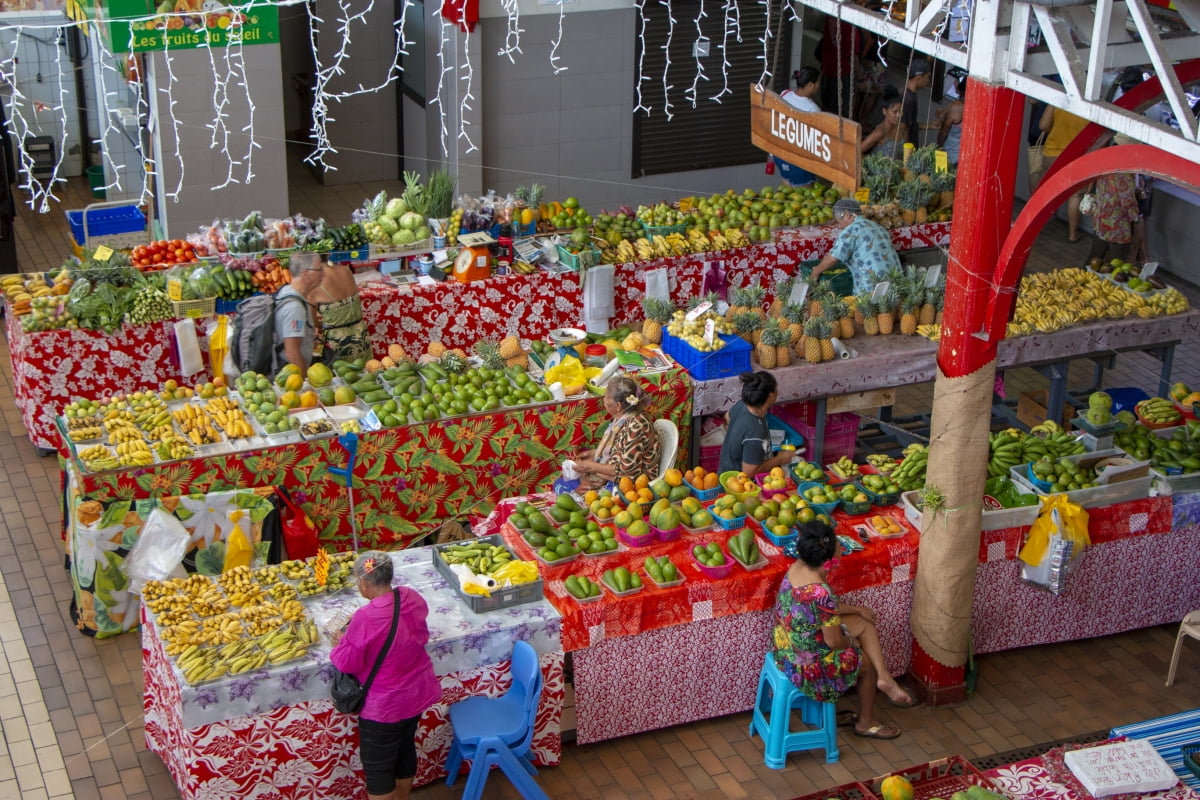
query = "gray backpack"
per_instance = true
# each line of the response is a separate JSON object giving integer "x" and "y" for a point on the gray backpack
{"x": 253, "y": 346}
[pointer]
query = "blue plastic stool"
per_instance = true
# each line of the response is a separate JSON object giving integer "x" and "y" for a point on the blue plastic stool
{"x": 778, "y": 696}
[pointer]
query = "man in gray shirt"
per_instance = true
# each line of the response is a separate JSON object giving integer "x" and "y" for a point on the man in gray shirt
{"x": 293, "y": 319}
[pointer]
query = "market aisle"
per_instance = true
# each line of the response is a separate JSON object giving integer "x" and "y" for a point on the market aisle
{"x": 91, "y": 690}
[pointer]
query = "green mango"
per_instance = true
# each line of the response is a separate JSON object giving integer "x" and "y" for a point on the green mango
{"x": 567, "y": 503}
{"x": 560, "y": 514}
{"x": 539, "y": 523}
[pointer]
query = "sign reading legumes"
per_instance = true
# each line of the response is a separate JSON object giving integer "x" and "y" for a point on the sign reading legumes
{"x": 824, "y": 144}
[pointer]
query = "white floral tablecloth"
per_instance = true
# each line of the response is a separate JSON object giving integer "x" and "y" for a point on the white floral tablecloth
{"x": 459, "y": 640}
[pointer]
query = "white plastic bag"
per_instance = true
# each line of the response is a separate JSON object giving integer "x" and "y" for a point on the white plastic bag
{"x": 158, "y": 551}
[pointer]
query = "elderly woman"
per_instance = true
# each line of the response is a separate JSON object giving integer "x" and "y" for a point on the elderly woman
{"x": 404, "y": 686}
{"x": 824, "y": 647}
{"x": 630, "y": 446}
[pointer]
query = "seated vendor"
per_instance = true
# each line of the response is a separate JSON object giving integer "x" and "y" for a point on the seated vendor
{"x": 747, "y": 446}
{"x": 863, "y": 246}
{"x": 630, "y": 445}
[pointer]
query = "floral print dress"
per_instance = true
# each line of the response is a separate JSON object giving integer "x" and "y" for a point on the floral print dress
{"x": 821, "y": 672}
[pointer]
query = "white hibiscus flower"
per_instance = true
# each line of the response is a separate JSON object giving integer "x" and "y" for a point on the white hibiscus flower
{"x": 88, "y": 547}
{"x": 209, "y": 520}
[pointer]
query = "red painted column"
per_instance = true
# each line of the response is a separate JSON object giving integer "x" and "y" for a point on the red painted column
{"x": 993, "y": 136}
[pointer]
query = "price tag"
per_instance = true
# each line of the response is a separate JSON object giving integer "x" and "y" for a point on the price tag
{"x": 941, "y": 161}
{"x": 881, "y": 290}
{"x": 863, "y": 195}
{"x": 697, "y": 311}
{"x": 932, "y": 275}
{"x": 370, "y": 422}
{"x": 175, "y": 289}
{"x": 710, "y": 331}
{"x": 103, "y": 253}
{"x": 1148, "y": 269}
{"x": 908, "y": 151}
{"x": 799, "y": 293}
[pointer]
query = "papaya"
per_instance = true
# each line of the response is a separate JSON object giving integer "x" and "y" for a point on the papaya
{"x": 535, "y": 539}
{"x": 896, "y": 787}
{"x": 376, "y": 396}
{"x": 679, "y": 493}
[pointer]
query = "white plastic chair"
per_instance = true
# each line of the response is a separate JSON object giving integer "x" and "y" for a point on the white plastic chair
{"x": 668, "y": 438}
{"x": 1189, "y": 627}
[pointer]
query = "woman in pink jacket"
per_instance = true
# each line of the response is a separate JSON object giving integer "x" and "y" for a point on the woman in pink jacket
{"x": 403, "y": 688}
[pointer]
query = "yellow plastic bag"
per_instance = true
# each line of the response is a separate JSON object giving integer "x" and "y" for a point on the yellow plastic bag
{"x": 1074, "y": 528}
{"x": 568, "y": 372}
{"x": 238, "y": 550}
{"x": 516, "y": 572}
{"x": 218, "y": 346}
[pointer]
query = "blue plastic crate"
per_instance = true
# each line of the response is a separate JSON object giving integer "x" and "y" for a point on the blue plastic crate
{"x": 732, "y": 359}
{"x": 790, "y": 435}
{"x": 357, "y": 254}
{"x": 778, "y": 541}
{"x": 105, "y": 222}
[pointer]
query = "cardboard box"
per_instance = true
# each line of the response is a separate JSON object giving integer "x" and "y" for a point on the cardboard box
{"x": 1031, "y": 409}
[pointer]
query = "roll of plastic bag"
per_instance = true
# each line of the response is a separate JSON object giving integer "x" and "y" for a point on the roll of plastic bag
{"x": 840, "y": 351}
{"x": 468, "y": 578}
{"x": 191, "y": 360}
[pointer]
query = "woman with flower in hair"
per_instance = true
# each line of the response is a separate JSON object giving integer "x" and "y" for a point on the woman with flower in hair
{"x": 823, "y": 646}
{"x": 630, "y": 446}
{"x": 405, "y": 684}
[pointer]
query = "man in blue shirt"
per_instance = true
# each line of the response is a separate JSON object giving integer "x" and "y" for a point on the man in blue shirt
{"x": 864, "y": 246}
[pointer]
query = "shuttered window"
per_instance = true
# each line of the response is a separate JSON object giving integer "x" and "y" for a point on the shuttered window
{"x": 712, "y": 134}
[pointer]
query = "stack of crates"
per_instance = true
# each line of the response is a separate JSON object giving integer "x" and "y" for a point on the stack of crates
{"x": 841, "y": 429}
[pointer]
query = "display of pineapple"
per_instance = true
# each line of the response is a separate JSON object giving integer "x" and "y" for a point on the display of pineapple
{"x": 921, "y": 163}
{"x": 748, "y": 325}
{"x": 839, "y": 314}
{"x": 489, "y": 354}
{"x": 913, "y": 195}
{"x": 774, "y": 346}
{"x": 746, "y": 299}
{"x": 658, "y": 313}
{"x": 794, "y": 316}
{"x": 815, "y": 329}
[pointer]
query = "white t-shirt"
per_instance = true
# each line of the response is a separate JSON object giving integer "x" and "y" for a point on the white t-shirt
{"x": 799, "y": 101}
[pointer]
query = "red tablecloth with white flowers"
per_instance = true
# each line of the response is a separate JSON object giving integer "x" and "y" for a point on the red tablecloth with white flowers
{"x": 52, "y": 368}
{"x": 1138, "y": 573}
{"x": 407, "y": 480}
{"x": 1047, "y": 777}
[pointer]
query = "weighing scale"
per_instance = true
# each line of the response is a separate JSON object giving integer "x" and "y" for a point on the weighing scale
{"x": 474, "y": 262}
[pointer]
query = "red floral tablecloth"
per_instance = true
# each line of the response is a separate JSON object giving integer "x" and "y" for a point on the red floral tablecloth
{"x": 310, "y": 750}
{"x": 408, "y": 480}
{"x": 1048, "y": 778}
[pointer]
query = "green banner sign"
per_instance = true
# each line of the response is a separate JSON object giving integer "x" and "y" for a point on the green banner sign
{"x": 216, "y": 28}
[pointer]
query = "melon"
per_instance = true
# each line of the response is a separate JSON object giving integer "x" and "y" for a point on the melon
{"x": 895, "y": 787}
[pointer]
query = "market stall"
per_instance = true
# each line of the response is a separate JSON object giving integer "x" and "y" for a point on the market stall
{"x": 408, "y": 480}
{"x": 711, "y": 630}
{"x": 51, "y": 368}
{"x": 274, "y": 730}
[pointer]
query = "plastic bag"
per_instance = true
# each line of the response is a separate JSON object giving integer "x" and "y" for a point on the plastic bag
{"x": 238, "y": 550}
{"x": 568, "y": 372}
{"x": 217, "y": 331}
{"x": 1072, "y": 526}
{"x": 299, "y": 532}
{"x": 158, "y": 551}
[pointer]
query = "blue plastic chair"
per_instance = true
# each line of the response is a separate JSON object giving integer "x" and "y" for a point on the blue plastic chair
{"x": 778, "y": 696}
{"x": 499, "y": 731}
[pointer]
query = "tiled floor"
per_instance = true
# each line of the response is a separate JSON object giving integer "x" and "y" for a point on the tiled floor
{"x": 70, "y": 706}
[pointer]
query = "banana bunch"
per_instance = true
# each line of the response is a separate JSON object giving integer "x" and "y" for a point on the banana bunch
{"x": 161, "y": 432}
{"x": 932, "y": 331}
{"x": 1168, "y": 301}
{"x": 173, "y": 448}
{"x": 134, "y": 453}
{"x": 910, "y": 474}
{"x": 523, "y": 267}
{"x": 98, "y": 458}
{"x": 1005, "y": 450}
{"x": 80, "y": 434}
{"x": 1057, "y": 443}
{"x": 116, "y": 417}
{"x": 737, "y": 238}
{"x": 284, "y": 644}
{"x": 121, "y": 431}
{"x": 719, "y": 242}
{"x": 151, "y": 416}
{"x": 1059, "y": 299}
{"x": 699, "y": 241}
{"x": 96, "y": 451}
{"x": 195, "y": 424}
{"x": 211, "y": 602}
{"x": 625, "y": 252}
{"x": 480, "y": 557}
{"x": 679, "y": 244}
{"x": 229, "y": 417}
{"x": 882, "y": 462}
{"x": 295, "y": 570}
{"x": 1158, "y": 411}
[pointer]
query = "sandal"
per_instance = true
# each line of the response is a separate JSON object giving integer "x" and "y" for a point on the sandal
{"x": 845, "y": 718}
{"x": 878, "y": 732}
{"x": 907, "y": 703}
{"x": 1076, "y": 240}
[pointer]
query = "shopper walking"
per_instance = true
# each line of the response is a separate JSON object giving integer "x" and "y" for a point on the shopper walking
{"x": 1060, "y": 128}
{"x": 824, "y": 646}
{"x": 920, "y": 75}
{"x": 405, "y": 684}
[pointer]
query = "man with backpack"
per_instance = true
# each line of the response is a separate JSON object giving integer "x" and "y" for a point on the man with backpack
{"x": 273, "y": 330}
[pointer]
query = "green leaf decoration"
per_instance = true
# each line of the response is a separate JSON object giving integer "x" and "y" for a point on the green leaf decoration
{"x": 211, "y": 560}
{"x": 114, "y": 514}
{"x": 538, "y": 451}
{"x": 116, "y": 565}
{"x": 444, "y": 464}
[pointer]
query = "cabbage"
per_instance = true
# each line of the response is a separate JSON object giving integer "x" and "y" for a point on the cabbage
{"x": 388, "y": 224}
{"x": 396, "y": 207}
{"x": 402, "y": 237}
{"x": 411, "y": 221}
{"x": 422, "y": 233}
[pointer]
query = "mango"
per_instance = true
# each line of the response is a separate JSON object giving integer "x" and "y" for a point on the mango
{"x": 319, "y": 375}
{"x": 344, "y": 394}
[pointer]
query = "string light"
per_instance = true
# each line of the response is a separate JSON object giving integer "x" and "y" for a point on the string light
{"x": 666, "y": 48}
{"x": 465, "y": 105}
{"x": 701, "y": 40}
{"x": 641, "y": 75}
{"x": 168, "y": 91}
{"x": 443, "y": 68}
{"x": 513, "y": 30}
{"x": 732, "y": 22}
{"x": 554, "y": 45}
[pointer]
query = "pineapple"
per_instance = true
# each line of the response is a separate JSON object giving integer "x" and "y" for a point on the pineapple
{"x": 943, "y": 184}
{"x": 739, "y": 302}
{"x": 929, "y": 307}
{"x": 764, "y": 351}
{"x": 748, "y": 325}
{"x": 910, "y": 307}
{"x": 839, "y": 314}
{"x": 826, "y": 343}
{"x": 886, "y": 318}
{"x": 510, "y": 347}
{"x": 756, "y": 295}
{"x": 453, "y": 363}
{"x": 881, "y": 174}
{"x": 813, "y": 329}
{"x": 775, "y": 337}
{"x": 489, "y": 354}
{"x": 870, "y": 312}
{"x": 783, "y": 290}
{"x": 862, "y": 303}
{"x": 519, "y": 360}
{"x": 938, "y": 303}
{"x": 794, "y": 315}
{"x": 920, "y": 163}
{"x": 913, "y": 195}
{"x": 818, "y": 296}
{"x": 711, "y": 297}
{"x": 658, "y": 313}
{"x": 436, "y": 349}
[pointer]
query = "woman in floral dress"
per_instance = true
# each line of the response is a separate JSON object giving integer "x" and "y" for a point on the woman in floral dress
{"x": 824, "y": 647}
{"x": 1116, "y": 212}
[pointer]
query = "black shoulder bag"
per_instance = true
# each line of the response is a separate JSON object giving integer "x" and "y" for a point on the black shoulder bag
{"x": 347, "y": 693}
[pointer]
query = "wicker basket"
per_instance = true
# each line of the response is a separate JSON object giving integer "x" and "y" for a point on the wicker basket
{"x": 193, "y": 309}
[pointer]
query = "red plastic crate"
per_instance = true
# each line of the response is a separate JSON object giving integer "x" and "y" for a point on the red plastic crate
{"x": 805, "y": 413}
{"x": 940, "y": 778}
{"x": 847, "y": 791}
{"x": 710, "y": 458}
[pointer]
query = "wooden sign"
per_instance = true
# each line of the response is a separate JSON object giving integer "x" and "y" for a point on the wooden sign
{"x": 824, "y": 144}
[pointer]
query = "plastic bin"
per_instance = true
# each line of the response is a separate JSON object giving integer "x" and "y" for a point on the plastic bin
{"x": 95, "y": 176}
{"x": 120, "y": 226}
{"x": 940, "y": 778}
{"x": 1126, "y": 397}
{"x": 501, "y": 597}
{"x": 714, "y": 572}
{"x": 1119, "y": 492}
{"x": 847, "y": 791}
{"x": 993, "y": 519}
{"x": 732, "y": 359}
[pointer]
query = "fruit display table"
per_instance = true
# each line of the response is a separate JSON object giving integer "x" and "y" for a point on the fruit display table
{"x": 52, "y": 368}
{"x": 632, "y": 677}
{"x": 408, "y": 480}
{"x": 274, "y": 732}
{"x": 889, "y": 361}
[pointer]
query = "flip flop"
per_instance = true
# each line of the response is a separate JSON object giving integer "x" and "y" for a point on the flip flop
{"x": 1076, "y": 240}
{"x": 912, "y": 700}
{"x": 878, "y": 732}
{"x": 845, "y": 718}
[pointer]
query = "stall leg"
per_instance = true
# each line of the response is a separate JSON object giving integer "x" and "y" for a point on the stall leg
{"x": 816, "y": 448}
{"x": 1057, "y": 397}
